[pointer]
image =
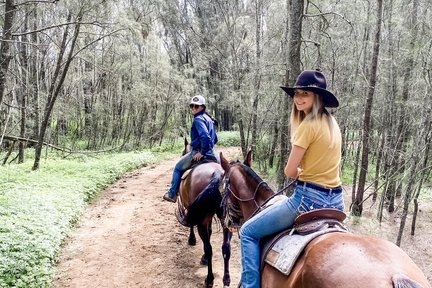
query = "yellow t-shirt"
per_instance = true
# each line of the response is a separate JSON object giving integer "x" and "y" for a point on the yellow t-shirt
{"x": 320, "y": 163}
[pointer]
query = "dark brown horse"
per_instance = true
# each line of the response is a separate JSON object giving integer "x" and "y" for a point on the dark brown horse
{"x": 329, "y": 261}
{"x": 200, "y": 201}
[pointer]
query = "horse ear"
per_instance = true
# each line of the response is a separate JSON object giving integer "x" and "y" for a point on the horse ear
{"x": 248, "y": 159}
{"x": 224, "y": 163}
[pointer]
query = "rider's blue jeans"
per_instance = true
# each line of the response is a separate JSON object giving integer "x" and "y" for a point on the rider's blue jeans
{"x": 274, "y": 219}
{"x": 182, "y": 165}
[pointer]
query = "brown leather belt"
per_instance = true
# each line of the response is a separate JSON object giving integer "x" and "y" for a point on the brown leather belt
{"x": 335, "y": 190}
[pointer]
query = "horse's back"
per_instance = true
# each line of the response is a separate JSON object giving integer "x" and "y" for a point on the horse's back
{"x": 347, "y": 260}
{"x": 206, "y": 170}
{"x": 197, "y": 180}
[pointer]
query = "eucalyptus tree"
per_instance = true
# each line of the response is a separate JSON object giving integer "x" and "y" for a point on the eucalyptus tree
{"x": 126, "y": 89}
{"x": 5, "y": 57}
{"x": 58, "y": 80}
{"x": 403, "y": 87}
{"x": 402, "y": 131}
{"x": 62, "y": 55}
{"x": 21, "y": 66}
{"x": 357, "y": 207}
{"x": 293, "y": 69}
{"x": 206, "y": 43}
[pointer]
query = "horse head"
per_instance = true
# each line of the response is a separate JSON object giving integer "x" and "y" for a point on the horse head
{"x": 187, "y": 147}
{"x": 244, "y": 191}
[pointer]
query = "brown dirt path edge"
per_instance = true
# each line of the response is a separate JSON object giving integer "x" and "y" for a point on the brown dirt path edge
{"x": 130, "y": 237}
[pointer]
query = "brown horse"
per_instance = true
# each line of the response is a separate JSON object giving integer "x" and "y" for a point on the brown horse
{"x": 200, "y": 200}
{"x": 329, "y": 261}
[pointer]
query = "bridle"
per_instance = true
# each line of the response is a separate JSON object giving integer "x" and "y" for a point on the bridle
{"x": 234, "y": 211}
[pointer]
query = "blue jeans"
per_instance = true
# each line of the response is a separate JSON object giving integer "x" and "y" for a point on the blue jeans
{"x": 182, "y": 165}
{"x": 274, "y": 219}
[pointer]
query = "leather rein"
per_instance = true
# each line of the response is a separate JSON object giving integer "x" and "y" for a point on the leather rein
{"x": 233, "y": 209}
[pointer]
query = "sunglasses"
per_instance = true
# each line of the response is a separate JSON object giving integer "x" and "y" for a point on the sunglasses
{"x": 192, "y": 106}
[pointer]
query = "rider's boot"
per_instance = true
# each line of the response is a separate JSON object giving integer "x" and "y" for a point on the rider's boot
{"x": 168, "y": 198}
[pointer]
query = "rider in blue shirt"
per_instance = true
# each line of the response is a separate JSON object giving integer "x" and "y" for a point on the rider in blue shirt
{"x": 203, "y": 139}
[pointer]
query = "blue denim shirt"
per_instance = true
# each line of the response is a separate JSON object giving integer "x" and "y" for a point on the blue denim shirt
{"x": 203, "y": 134}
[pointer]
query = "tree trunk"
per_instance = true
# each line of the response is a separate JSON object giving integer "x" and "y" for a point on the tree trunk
{"x": 357, "y": 208}
{"x": 408, "y": 194}
{"x": 293, "y": 41}
{"x": 34, "y": 80}
{"x": 355, "y": 173}
{"x": 390, "y": 120}
{"x": 378, "y": 161}
{"x": 56, "y": 85}
{"x": 88, "y": 91}
{"x": 5, "y": 57}
{"x": 257, "y": 72}
{"x": 24, "y": 88}
{"x": 274, "y": 143}
{"x": 424, "y": 170}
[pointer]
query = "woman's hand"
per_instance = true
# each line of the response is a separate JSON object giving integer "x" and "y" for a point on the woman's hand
{"x": 197, "y": 156}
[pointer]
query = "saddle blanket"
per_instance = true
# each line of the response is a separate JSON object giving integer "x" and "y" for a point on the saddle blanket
{"x": 287, "y": 249}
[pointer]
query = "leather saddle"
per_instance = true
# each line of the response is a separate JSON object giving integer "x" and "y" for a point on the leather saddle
{"x": 203, "y": 160}
{"x": 282, "y": 250}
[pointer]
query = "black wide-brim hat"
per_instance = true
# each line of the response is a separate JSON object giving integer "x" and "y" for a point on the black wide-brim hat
{"x": 314, "y": 80}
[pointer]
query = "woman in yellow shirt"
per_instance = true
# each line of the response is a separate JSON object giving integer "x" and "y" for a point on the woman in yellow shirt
{"x": 314, "y": 159}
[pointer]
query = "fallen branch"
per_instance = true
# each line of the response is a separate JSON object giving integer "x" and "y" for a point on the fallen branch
{"x": 27, "y": 140}
{"x": 63, "y": 149}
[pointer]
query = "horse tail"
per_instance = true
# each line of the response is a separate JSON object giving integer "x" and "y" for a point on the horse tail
{"x": 207, "y": 202}
{"x": 401, "y": 281}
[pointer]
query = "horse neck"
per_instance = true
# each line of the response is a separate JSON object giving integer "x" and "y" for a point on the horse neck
{"x": 262, "y": 192}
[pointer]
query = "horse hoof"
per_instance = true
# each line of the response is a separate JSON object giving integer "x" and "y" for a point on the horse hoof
{"x": 226, "y": 281}
{"x": 192, "y": 242}
{"x": 204, "y": 261}
{"x": 207, "y": 284}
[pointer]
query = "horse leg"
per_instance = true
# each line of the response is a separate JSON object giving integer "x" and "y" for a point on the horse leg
{"x": 192, "y": 238}
{"x": 204, "y": 258}
{"x": 205, "y": 232}
{"x": 226, "y": 253}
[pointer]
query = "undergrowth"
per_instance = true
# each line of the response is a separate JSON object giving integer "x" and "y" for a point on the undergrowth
{"x": 39, "y": 208}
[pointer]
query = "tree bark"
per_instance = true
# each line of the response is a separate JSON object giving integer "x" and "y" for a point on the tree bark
{"x": 56, "y": 85}
{"x": 5, "y": 57}
{"x": 357, "y": 207}
{"x": 34, "y": 79}
{"x": 257, "y": 72}
{"x": 294, "y": 29}
{"x": 24, "y": 91}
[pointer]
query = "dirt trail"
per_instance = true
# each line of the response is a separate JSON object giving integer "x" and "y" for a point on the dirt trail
{"x": 130, "y": 238}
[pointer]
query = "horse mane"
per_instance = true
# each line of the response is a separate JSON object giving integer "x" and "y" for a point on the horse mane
{"x": 251, "y": 173}
{"x": 402, "y": 281}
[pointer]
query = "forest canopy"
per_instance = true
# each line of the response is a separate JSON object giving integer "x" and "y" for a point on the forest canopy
{"x": 95, "y": 75}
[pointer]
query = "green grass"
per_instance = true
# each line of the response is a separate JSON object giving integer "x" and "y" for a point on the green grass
{"x": 228, "y": 139}
{"x": 39, "y": 208}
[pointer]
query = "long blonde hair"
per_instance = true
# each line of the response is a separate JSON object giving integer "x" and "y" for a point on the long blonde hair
{"x": 318, "y": 110}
